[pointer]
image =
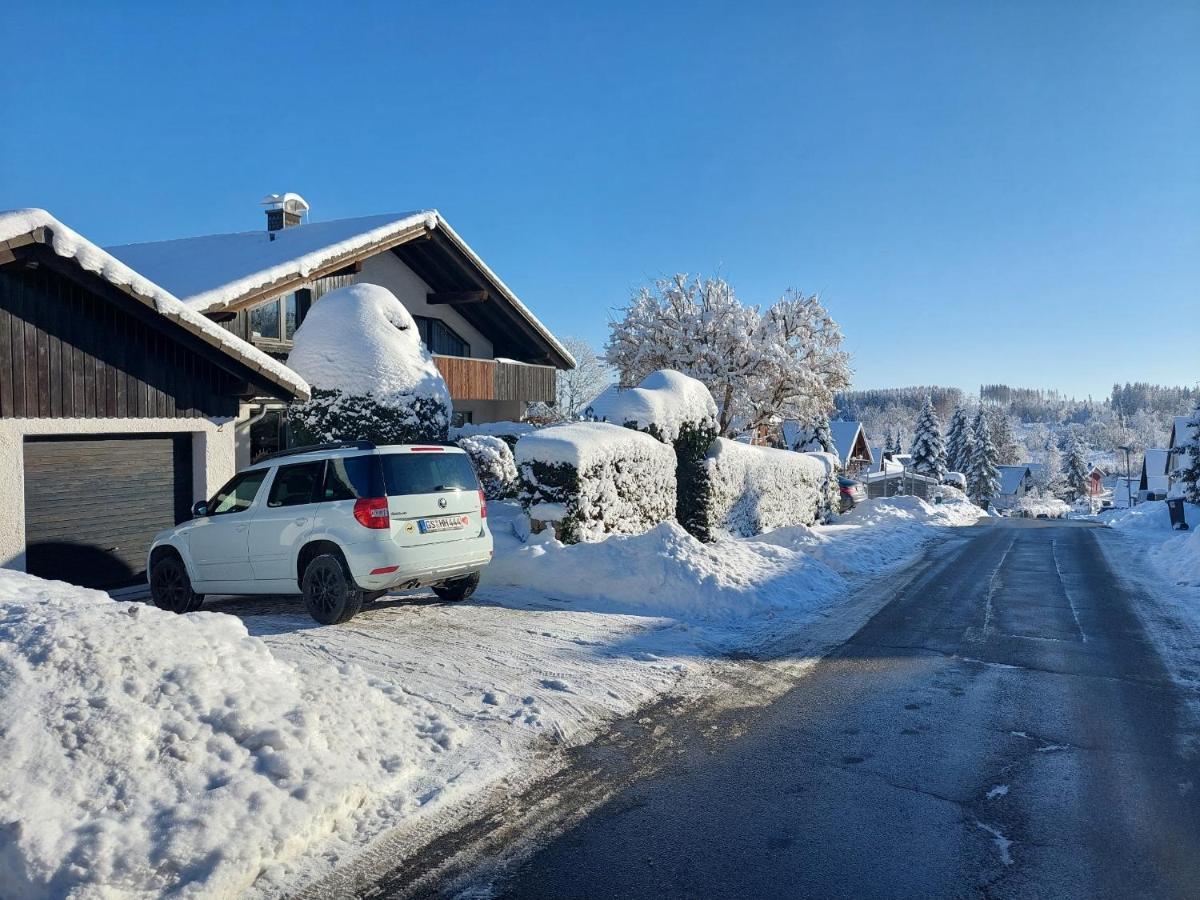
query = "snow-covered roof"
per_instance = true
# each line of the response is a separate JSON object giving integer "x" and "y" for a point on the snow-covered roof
{"x": 69, "y": 244}
{"x": 1011, "y": 478}
{"x": 216, "y": 271}
{"x": 880, "y": 463}
{"x": 1154, "y": 467}
{"x": 666, "y": 399}
{"x": 1180, "y": 431}
{"x": 844, "y": 435}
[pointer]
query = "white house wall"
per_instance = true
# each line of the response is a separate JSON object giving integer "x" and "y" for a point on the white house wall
{"x": 386, "y": 270}
{"x": 212, "y": 463}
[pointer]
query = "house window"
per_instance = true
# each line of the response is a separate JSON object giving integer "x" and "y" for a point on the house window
{"x": 264, "y": 321}
{"x": 462, "y": 418}
{"x": 278, "y": 319}
{"x": 441, "y": 338}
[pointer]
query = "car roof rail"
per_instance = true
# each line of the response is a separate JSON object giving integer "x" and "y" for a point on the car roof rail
{"x": 317, "y": 448}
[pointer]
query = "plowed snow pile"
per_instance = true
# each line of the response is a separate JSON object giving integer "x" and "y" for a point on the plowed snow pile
{"x": 146, "y": 752}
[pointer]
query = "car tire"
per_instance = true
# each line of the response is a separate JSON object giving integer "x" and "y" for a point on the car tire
{"x": 170, "y": 587}
{"x": 330, "y": 594}
{"x": 457, "y": 588}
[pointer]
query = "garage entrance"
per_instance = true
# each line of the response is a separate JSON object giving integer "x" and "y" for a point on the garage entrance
{"x": 93, "y": 504}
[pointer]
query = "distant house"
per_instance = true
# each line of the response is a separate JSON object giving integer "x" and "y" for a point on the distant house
{"x": 117, "y": 404}
{"x": 1096, "y": 476}
{"x": 1015, "y": 482}
{"x": 495, "y": 355}
{"x": 849, "y": 442}
{"x": 1155, "y": 480}
{"x": 1182, "y": 432}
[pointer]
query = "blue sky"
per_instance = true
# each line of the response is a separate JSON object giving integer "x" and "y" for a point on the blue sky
{"x": 980, "y": 192}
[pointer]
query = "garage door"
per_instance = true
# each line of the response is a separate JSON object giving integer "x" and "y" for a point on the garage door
{"x": 92, "y": 505}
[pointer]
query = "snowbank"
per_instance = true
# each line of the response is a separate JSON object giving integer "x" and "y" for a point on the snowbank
{"x": 664, "y": 401}
{"x": 751, "y": 490}
{"x": 1176, "y": 554}
{"x": 599, "y": 478}
{"x": 1043, "y": 506}
{"x": 147, "y": 753}
{"x": 494, "y": 464}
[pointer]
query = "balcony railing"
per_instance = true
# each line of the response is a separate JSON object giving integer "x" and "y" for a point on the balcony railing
{"x": 493, "y": 379}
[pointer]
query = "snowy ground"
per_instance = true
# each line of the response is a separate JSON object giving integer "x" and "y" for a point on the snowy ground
{"x": 245, "y": 748}
{"x": 1162, "y": 566}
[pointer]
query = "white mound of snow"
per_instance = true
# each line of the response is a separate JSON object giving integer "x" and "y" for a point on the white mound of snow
{"x": 147, "y": 754}
{"x": 361, "y": 340}
{"x": 1175, "y": 554}
{"x": 665, "y": 399}
{"x": 583, "y": 444}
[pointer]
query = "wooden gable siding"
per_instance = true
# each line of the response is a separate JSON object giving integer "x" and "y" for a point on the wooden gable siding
{"x": 66, "y": 353}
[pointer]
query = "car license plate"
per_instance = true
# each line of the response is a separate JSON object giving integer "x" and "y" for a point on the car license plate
{"x": 444, "y": 523}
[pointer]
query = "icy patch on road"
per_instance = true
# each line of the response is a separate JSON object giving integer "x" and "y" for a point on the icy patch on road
{"x": 1003, "y": 844}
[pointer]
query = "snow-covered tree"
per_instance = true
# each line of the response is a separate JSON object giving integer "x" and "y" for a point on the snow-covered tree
{"x": 1000, "y": 426}
{"x": 372, "y": 378}
{"x": 575, "y": 388}
{"x": 928, "y": 448}
{"x": 897, "y": 447}
{"x": 816, "y": 435}
{"x": 956, "y": 436}
{"x": 1077, "y": 469}
{"x": 983, "y": 481}
{"x": 1189, "y": 471}
{"x": 1049, "y": 478}
{"x": 782, "y": 363}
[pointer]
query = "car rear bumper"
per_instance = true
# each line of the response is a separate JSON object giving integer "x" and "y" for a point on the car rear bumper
{"x": 416, "y": 566}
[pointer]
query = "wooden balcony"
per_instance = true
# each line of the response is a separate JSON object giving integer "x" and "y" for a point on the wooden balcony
{"x": 492, "y": 379}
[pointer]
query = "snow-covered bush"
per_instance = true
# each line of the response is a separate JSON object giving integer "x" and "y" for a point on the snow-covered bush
{"x": 509, "y": 432}
{"x": 595, "y": 478}
{"x": 494, "y": 464}
{"x": 372, "y": 378}
{"x": 750, "y": 490}
{"x": 1043, "y": 506}
{"x": 678, "y": 410}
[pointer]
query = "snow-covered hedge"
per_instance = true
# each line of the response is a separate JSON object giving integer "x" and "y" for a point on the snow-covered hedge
{"x": 830, "y": 494}
{"x": 371, "y": 376}
{"x": 594, "y": 478}
{"x": 494, "y": 464}
{"x": 678, "y": 410}
{"x": 750, "y": 490}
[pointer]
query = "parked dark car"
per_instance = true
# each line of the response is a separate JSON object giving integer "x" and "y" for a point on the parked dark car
{"x": 852, "y": 492}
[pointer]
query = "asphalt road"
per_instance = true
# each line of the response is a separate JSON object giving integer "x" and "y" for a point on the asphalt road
{"x": 1003, "y": 728}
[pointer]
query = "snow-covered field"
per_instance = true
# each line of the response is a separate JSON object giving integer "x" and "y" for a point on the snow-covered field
{"x": 246, "y": 749}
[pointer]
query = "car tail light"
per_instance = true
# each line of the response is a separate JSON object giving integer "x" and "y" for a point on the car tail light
{"x": 482, "y": 506}
{"x": 384, "y": 570}
{"x": 372, "y": 512}
{"x": 847, "y": 491}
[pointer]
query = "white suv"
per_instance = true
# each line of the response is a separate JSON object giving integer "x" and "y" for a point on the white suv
{"x": 339, "y": 523}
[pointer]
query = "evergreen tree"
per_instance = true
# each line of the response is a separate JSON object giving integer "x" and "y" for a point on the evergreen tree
{"x": 1189, "y": 473}
{"x": 897, "y": 447}
{"x": 956, "y": 437}
{"x": 1077, "y": 469}
{"x": 887, "y": 442}
{"x": 928, "y": 448}
{"x": 983, "y": 481}
{"x": 1050, "y": 479}
{"x": 1000, "y": 426}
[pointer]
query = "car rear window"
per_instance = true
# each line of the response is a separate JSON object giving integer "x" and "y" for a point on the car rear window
{"x": 427, "y": 473}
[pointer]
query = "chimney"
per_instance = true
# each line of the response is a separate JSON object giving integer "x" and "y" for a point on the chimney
{"x": 284, "y": 210}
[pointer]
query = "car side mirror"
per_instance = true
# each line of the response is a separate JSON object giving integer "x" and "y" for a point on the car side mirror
{"x": 199, "y": 508}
